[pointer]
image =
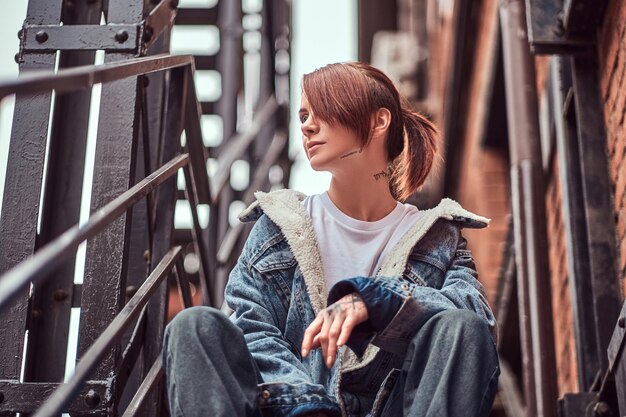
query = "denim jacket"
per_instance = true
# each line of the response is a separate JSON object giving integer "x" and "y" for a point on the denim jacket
{"x": 277, "y": 287}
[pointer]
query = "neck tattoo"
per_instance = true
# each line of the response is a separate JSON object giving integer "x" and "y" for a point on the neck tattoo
{"x": 381, "y": 174}
{"x": 351, "y": 153}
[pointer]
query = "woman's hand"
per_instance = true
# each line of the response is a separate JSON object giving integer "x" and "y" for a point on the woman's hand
{"x": 333, "y": 326}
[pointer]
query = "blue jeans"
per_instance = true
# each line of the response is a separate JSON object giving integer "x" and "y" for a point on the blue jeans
{"x": 450, "y": 369}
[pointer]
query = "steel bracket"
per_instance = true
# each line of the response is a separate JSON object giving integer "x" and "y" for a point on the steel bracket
{"x": 112, "y": 37}
{"x": 27, "y": 397}
{"x": 555, "y": 28}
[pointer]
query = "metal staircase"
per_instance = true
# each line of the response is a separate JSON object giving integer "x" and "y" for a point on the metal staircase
{"x": 150, "y": 157}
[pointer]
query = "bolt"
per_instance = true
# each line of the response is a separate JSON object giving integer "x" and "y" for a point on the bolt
{"x": 37, "y": 313}
{"x": 174, "y": 4}
{"x": 60, "y": 294}
{"x": 121, "y": 36}
{"x": 92, "y": 399}
{"x": 17, "y": 58}
{"x": 41, "y": 36}
{"x": 621, "y": 322}
{"x": 147, "y": 34}
{"x": 602, "y": 409}
{"x": 130, "y": 291}
{"x": 20, "y": 33}
{"x": 146, "y": 253}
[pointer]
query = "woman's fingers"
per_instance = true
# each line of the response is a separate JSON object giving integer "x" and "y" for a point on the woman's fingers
{"x": 346, "y": 330}
{"x": 309, "y": 335}
{"x": 333, "y": 334}
{"x": 324, "y": 333}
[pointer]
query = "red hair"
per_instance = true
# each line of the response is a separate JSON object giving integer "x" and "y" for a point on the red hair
{"x": 350, "y": 93}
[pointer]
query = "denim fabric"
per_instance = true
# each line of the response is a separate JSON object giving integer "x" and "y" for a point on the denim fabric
{"x": 449, "y": 369}
{"x": 273, "y": 304}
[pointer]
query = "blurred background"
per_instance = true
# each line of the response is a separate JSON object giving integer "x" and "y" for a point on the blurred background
{"x": 528, "y": 95}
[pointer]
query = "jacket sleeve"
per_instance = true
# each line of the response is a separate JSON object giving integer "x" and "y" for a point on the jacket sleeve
{"x": 398, "y": 308}
{"x": 287, "y": 388}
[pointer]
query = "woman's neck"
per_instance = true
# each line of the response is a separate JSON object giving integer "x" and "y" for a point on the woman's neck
{"x": 367, "y": 199}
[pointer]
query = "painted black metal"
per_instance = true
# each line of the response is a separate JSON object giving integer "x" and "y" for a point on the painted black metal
{"x": 50, "y": 256}
{"x": 106, "y": 258}
{"x": 27, "y": 397}
{"x": 83, "y": 37}
{"x": 183, "y": 285}
{"x": 150, "y": 382}
{"x": 191, "y": 16}
{"x": 546, "y": 30}
{"x": 237, "y": 145}
{"x": 529, "y": 217}
{"x": 197, "y": 152}
{"x": 597, "y": 207}
{"x": 206, "y": 266}
{"x": 226, "y": 252}
{"x": 52, "y": 300}
{"x": 18, "y": 224}
{"x": 107, "y": 339}
{"x": 582, "y": 404}
{"x": 80, "y": 78}
{"x": 617, "y": 364}
{"x": 591, "y": 360}
{"x": 134, "y": 38}
{"x": 582, "y": 17}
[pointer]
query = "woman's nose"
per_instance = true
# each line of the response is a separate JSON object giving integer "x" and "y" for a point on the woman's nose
{"x": 309, "y": 127}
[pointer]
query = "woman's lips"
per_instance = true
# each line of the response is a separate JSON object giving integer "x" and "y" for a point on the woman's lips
{"x": 313, "y": 145}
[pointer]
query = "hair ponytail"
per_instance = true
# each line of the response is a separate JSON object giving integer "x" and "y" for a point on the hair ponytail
{"x": 411, "y": 167}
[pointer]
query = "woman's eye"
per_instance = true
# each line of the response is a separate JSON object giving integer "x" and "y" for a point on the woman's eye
{"x": 303, "y": 118}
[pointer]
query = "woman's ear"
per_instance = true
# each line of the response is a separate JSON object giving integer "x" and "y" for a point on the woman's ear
{"x": 381, "y": 121}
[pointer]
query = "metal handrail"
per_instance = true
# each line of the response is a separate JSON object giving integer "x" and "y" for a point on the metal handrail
{"x": 55, "y": 404}
{"x": 78, "y": 78}
{"x": 238, "y": 144}
{"x": 55, "y": 252}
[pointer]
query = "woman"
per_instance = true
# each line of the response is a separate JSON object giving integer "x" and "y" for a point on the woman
{"x": 346, "y": 303}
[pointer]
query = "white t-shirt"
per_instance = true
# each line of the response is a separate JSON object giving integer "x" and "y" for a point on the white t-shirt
{"x": 352, "y": 247}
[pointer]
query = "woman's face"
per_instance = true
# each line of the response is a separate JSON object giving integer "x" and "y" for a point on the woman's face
{"x": 326, "y": 146}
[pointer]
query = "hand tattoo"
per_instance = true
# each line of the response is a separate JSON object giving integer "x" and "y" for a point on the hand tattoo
{"x": 337, "y": 307}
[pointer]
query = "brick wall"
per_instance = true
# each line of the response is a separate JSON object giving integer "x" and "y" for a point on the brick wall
{"x": 564, "y": 343}
{"x": 483, "y": 185}
{"x": 612, "y": 60}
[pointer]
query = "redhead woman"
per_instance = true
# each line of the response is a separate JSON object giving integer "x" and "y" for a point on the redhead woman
{"x": 350, "y": 302}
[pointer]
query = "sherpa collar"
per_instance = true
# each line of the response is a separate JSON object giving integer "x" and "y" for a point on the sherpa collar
{"x": 284, "y": 207}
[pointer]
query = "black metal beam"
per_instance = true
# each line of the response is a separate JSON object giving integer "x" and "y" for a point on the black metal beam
{"x": 598, "y": 207}
{"x": 51, "y": 301}
{"x": 27, "y": 397}
{"x": 22, "y": 190}
{"x": 547, "y": 33}
{"x": 196, "y": 16}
